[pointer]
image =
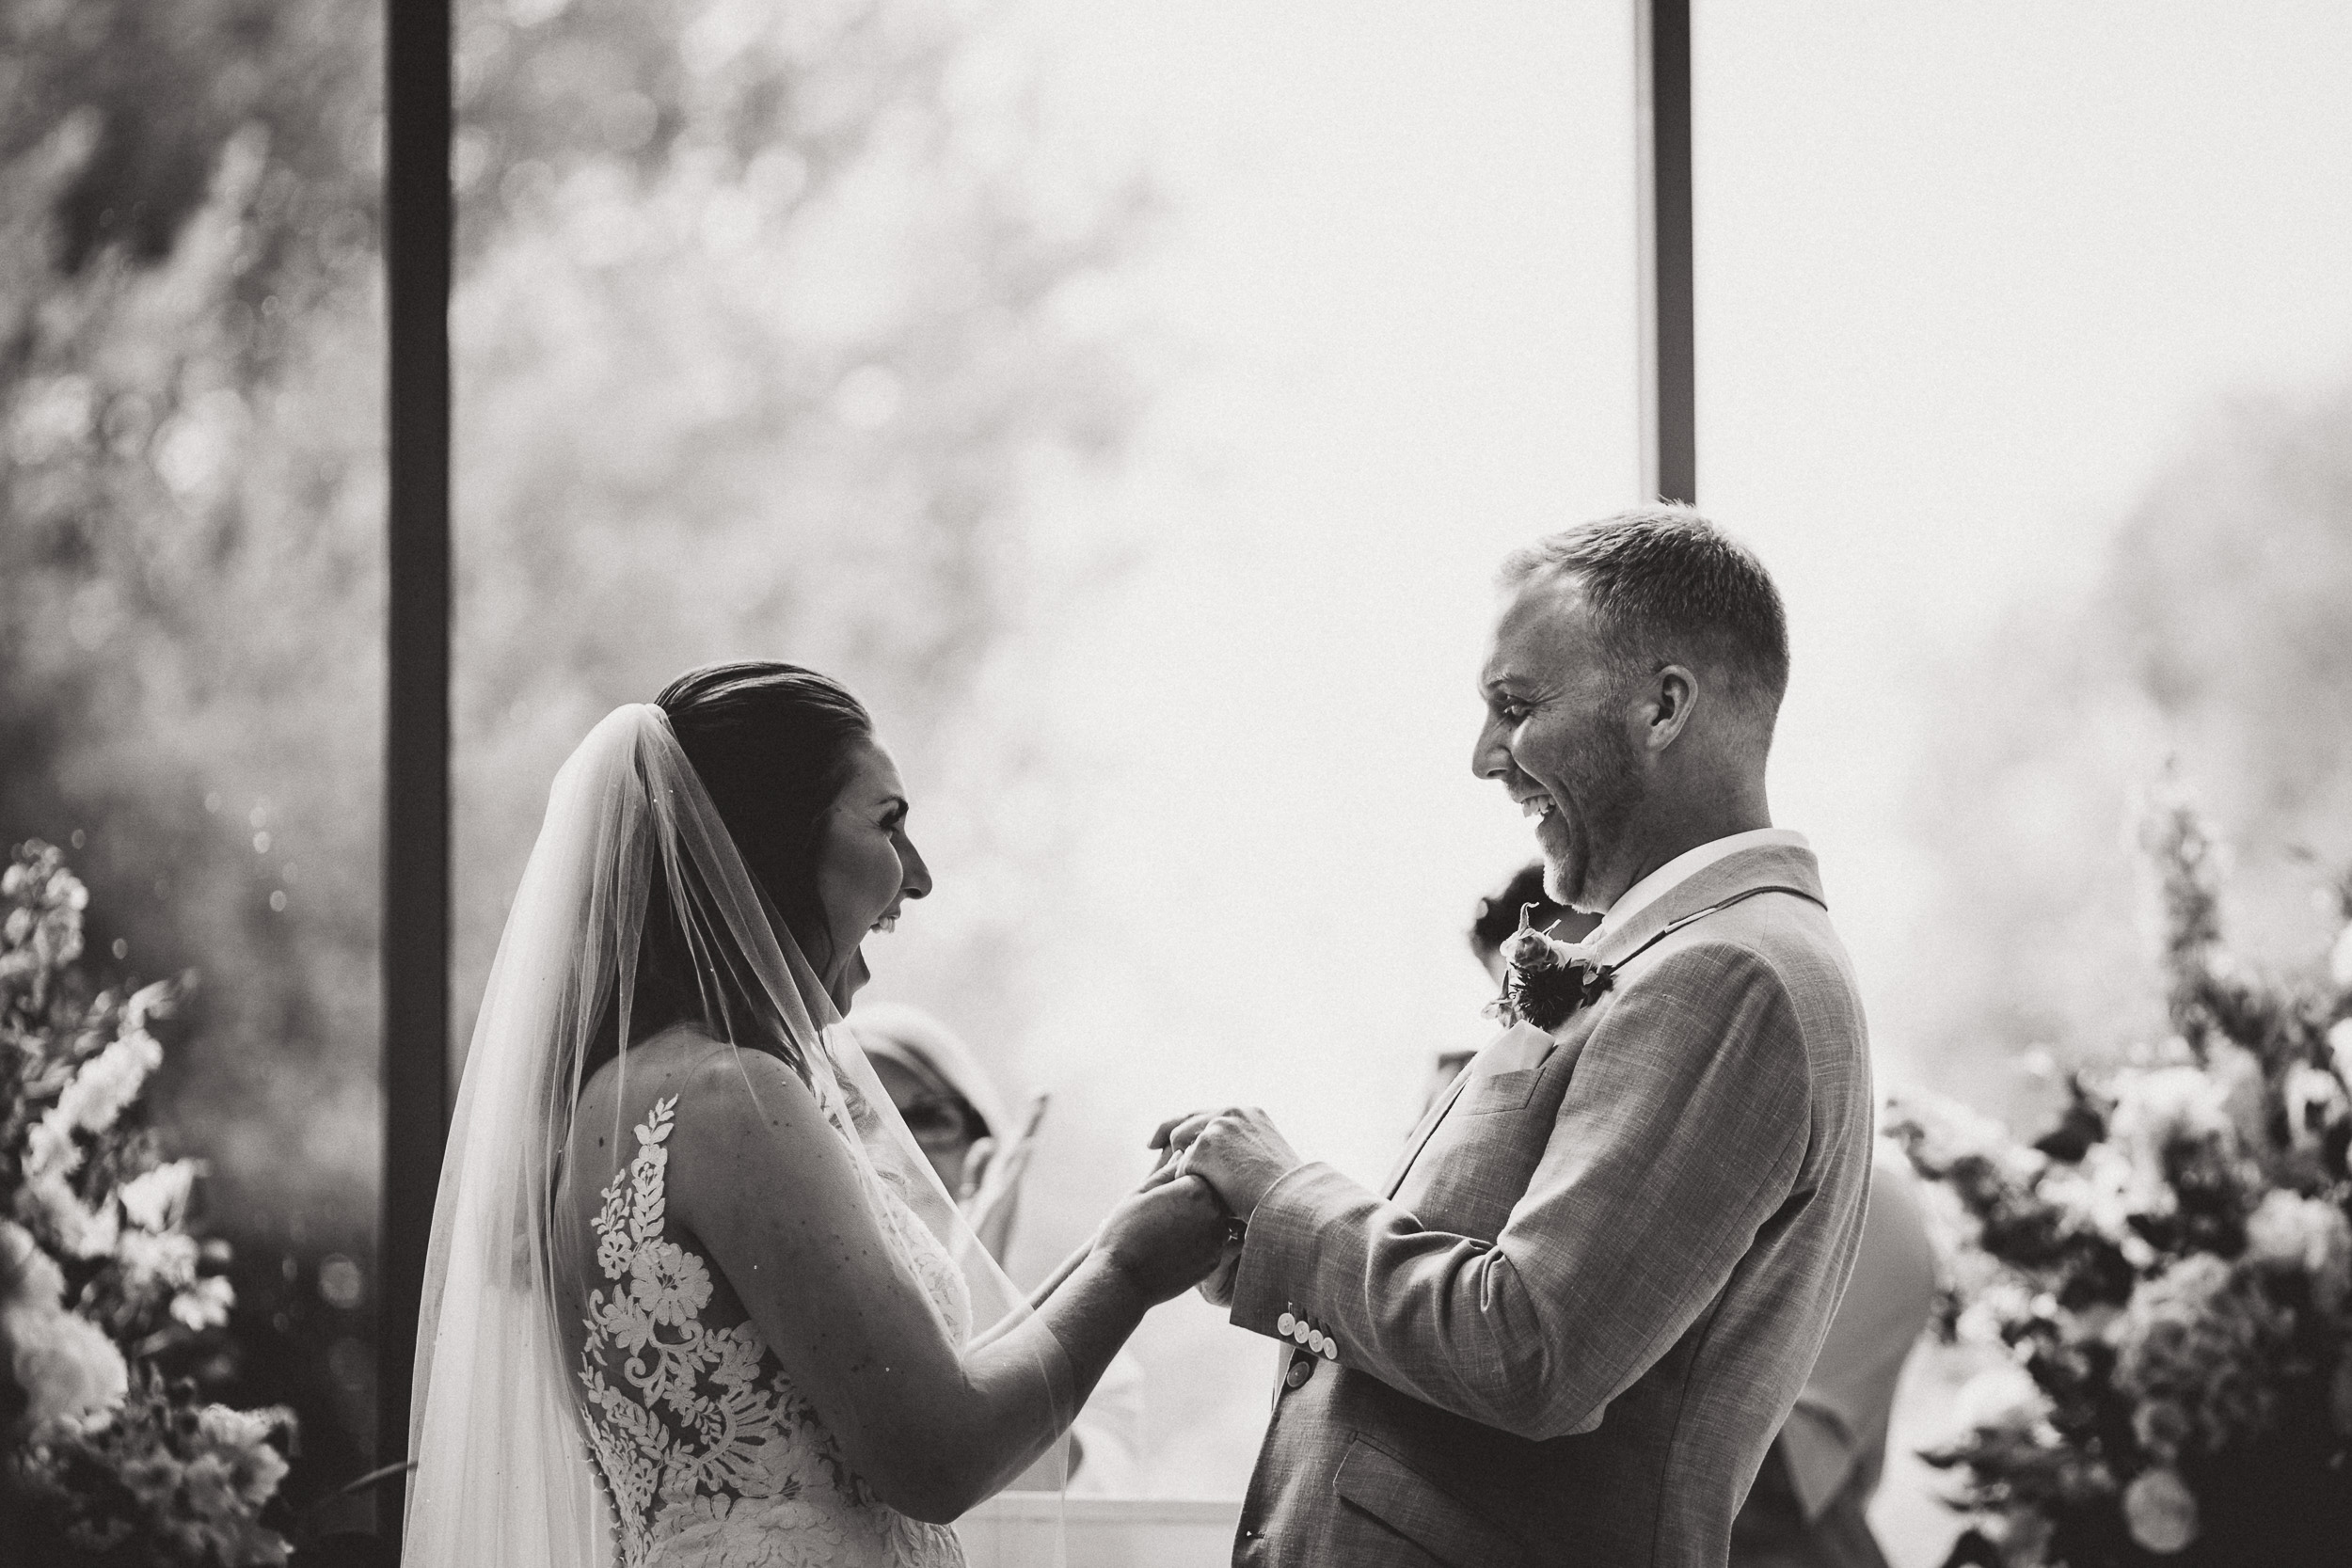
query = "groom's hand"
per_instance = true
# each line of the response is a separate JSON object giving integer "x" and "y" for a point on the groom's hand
{"x": 1237, "y": 1151}
{"x": 1218, "y": 1289}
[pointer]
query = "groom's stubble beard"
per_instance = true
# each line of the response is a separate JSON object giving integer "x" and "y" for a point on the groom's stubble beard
{"x": 1599, "y": 793}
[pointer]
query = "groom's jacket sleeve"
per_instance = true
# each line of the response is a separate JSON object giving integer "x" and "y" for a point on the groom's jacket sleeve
{"x": 1682, "y": 1130}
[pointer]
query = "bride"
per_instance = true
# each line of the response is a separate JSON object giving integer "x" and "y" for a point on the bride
{"x": 694, "y": 1296}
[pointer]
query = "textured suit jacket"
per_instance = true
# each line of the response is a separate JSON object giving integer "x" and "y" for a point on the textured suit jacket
{"x": 1600, "y": 1273}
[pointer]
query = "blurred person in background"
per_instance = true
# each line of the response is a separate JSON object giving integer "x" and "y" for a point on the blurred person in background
{"x": 963, "y": 1124}
{"x": 1810, "y": 1503}
{"x": 955, "y": 1112}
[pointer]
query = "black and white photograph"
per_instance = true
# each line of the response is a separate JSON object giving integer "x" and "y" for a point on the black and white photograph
{"x": 1011, "y": 784}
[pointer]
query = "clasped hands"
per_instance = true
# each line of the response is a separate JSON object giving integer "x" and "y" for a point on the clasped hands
{"x": 1238, "y": 1151}
{"x": 1237, "y": 1154}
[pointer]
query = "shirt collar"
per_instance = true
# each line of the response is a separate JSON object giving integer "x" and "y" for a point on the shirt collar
{"x": 1688, "y": 865}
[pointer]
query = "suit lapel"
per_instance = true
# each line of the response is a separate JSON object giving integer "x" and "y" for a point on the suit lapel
{"x": 1422, "y": 1133}
{"x": 1768, "y": 866}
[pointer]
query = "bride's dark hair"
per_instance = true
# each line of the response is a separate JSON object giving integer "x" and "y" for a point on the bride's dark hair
{"x": 773, "y": 744}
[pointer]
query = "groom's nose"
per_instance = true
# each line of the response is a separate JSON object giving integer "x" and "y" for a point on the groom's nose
{"x": 1491, "y": 756}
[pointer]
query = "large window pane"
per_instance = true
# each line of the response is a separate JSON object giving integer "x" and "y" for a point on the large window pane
{"x": 191, "y": 528}
{"x": 2021, "y": 338}
{"x": 1975, "y": 289}
{"x": 1132, "y": 407}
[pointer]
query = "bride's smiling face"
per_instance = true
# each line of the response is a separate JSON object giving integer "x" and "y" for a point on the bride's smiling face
{"x": 866, "y": 866}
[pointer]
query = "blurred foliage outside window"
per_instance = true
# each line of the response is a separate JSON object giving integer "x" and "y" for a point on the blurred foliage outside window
{"x": 762, "y": 339}
{"x": 2213, "y": 642}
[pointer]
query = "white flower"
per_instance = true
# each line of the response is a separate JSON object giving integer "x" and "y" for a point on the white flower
{"x": 204, "y": 1305}
{"x": 67, "y": 1367}
{"x": 210, "y": 1489}
{"x": 2245, "y": 1091}
{"x": 1939, "y": 1134}
{"x": 159, "y": 1200}
{"x": 2156, "y": 1101}
{"x": 150, "y": 1001}
{"x": 2310, "y": 1233}
{"x": 109, "y": 1081}
{"x": 233, "y": 1429}
{"x": 2161, "y": 1512}
{"x": 240, "y": 1440}
{"x": 2100, "y": 1191}
{"x": 50, "y": 1148}
{"x": 2340, "y": 959}
{"x": 81, "y": 1230}
{"x": 157, "y": 1262}
{"x": 2005, "y": 1398}
{"x": 2155, "y": 1107}
{"x": 64, "y": 1363}
{"x": 29, "y": 1277}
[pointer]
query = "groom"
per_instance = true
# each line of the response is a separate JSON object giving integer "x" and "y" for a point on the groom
{"x": 1567, "y": 1327}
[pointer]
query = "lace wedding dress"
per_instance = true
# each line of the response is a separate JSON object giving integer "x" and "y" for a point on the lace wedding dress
{"x": 710, "y": 1456}
{"x": 606, "y": 1401}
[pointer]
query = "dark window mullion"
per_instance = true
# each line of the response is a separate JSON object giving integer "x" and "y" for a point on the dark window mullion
{"x": 1668, "y": 330}
{"x": 418, "y": 210}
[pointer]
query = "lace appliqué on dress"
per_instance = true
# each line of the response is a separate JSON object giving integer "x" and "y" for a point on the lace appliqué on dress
{"x": 708, "y": 1454}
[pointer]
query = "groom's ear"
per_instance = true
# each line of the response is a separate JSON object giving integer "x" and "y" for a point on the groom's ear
{"x": 1667, "y": 704}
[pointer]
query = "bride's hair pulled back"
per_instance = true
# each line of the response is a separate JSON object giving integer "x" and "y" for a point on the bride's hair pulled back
{"x": 772, "y": 744}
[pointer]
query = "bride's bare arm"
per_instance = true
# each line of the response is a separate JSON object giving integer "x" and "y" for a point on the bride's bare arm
{"x": 771, "y": 1191}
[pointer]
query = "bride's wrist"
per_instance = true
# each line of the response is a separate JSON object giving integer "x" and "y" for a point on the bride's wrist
{"x": 1120, "y": 1278}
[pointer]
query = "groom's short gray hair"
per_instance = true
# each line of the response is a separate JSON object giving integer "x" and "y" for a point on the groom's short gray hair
{"x": 1667, "y": 586}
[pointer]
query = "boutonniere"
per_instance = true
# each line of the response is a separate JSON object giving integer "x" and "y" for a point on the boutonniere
{"x": 1544, "y": 979}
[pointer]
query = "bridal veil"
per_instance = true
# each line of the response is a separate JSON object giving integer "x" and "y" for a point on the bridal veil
{"x": 503, "y": 1475}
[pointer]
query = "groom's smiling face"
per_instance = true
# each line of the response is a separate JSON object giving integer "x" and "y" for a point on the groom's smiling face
{"x": 1557, "y": 736}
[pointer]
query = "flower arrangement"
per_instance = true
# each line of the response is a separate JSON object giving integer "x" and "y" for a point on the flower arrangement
{"x": 2167, "y": 1272}
{"x": 106, "y": 1459}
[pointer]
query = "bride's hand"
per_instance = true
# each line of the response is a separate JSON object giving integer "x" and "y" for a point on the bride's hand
{"x": 1166, "y": 1238}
